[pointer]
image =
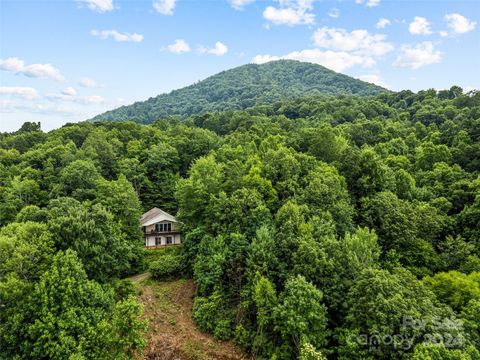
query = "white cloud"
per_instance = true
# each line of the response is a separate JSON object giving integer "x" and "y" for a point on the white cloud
{"x": 23, "y": 92}
{"x": 359, "y": 41}
{"x": 343, "y": 49}
{"x": 417, "y": 56}
{"x": 291, "y": 13}
{"x": 70, "y": 95}
{"x": 179, "y": 46}
{"x": 334, "y": 13}
{"x": 459, "y": 24}
{"x": 98, "y": 5}
{"x": 164, "y": 7}
{"x": 335, "y": 60}
{"x": 219, "y": 49}
{"x": 69, "y": 91}
{"x": 117, "y": 36}
{"x": 87, "y": 82}
{"x": 240, "y": 4}
{"x": 368, "y": 3}
{"x": 419, "y": 26}
{"x": 374, "y": 79}
{"x": 40, "y": 71}
{"x": 14, "y": 65}
{"x": 90, "y": 100}
{"x": 383, "y": 23}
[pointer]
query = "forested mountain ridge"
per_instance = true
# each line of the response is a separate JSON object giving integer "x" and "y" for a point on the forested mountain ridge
{"x": 243, "y": 87}
{"x": 317, "y": 228}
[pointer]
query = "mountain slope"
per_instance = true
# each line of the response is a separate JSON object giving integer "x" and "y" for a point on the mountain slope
{"x": 242, "y": 87}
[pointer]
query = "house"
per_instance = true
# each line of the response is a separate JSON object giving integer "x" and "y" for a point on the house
{"x": 160, "y": 228}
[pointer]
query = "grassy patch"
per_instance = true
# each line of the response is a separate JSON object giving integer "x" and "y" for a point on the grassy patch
{"x": 194, "y": 350}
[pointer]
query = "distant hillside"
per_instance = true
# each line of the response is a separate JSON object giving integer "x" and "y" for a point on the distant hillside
{"x": 243, "y": 87}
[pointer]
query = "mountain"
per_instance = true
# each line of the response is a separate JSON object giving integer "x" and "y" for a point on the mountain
{"x": 243, "y": 87}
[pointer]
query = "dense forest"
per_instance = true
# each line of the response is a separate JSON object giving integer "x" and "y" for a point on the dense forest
{"x": 316, "y": 228}
{"x": 243, "y": 87}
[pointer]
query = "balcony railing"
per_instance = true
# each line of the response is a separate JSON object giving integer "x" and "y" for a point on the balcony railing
{"x": 154, "y": 231}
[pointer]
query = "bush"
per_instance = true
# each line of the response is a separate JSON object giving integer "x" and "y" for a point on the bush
{"x": 223, "y": 330}
{"x": 152, "y": 255}
{"x": 167, "y": 266}
{"x": 206, "y": 311}
{"x": 123, "y": 289}
{"x": 243, "y": 337}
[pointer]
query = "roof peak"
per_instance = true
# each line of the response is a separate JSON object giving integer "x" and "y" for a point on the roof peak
{"x": 155, "y": 212}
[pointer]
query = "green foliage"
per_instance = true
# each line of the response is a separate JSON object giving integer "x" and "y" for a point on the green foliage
{"x": 94, "y": 234}
{"x": 166, "y": 267}
{"x": 382, "y": 303}
{"x": 440, "y": 352}
{"x": 223, "y": 330}
{"x": 206, "y": 311}
{"x": 301, "y": 315}
{"x": 244, "y": 87}
{"x": 208, "y": 268}
{"x": 455, "y": 288}
{"x": 71, "y": 316}
{"x": 308, "y": 223}
{"x": 78, "y": 180}
{"x": 308, "y": 352}
{"x": 127, "y": 334}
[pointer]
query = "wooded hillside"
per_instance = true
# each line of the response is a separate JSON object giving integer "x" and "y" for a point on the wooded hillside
{"x": 313, "y": 228}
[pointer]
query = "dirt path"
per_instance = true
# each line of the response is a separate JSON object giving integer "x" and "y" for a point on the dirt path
{"x": 139, "y": 277}
{"x": 172, "y": 334}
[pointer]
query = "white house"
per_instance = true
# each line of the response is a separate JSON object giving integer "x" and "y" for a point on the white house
{"x": 160, "y": 228}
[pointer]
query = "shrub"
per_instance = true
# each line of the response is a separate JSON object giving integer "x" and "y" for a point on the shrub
{"x": 243, "y": 337}
{"x": 223, "y": 330}
{"x": 206, "y": 311}
{"x": 167, "y": 266}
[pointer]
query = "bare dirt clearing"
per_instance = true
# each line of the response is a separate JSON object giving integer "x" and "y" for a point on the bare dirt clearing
{"x": 172, "y": 334}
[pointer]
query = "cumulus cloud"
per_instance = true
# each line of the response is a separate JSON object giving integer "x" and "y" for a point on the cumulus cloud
{"x": 339, "y": 49}
{"x": 373, "y": 79}
{"x": 69, "y": 91}
{"x": 219, "y": 49}
{"x": 117, "y": 36}
{"x": 383, "y": 23}
{"x": 291, "y": 13}
{"x": 179, "y": 46}
{"x": 240, "y": 4}
{"x": 87, "y": 82}
{"x": 419, "y": 26}
{"x": 164, "y": 7}
{"x": 90, "y": 100}
{"x": 334, "y": 13}
{"x": 417, "y": 56}
{"x": 70, "y": 95}
{"x": 40, "y": 71}
{"x": 359, "y": 41}
{"x": 343, "y": 49}
{"x": 459, "y": 24}
{"x": 98, "y": 5}
{"x": 23, "y": 92}
{"x": 368, "y": 3}
{"x": 335, "y": 60}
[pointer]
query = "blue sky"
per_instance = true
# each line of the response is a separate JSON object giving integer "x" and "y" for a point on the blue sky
{"x": 66, "y": 61}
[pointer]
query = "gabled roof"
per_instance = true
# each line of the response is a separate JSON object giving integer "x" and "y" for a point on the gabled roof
{"x": 154, "y": 216}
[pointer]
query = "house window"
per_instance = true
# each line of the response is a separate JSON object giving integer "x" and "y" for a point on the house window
{"x": 168, "y": 227}
{"x": 169, "y": 240}
{"x": 158, "y": 240}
